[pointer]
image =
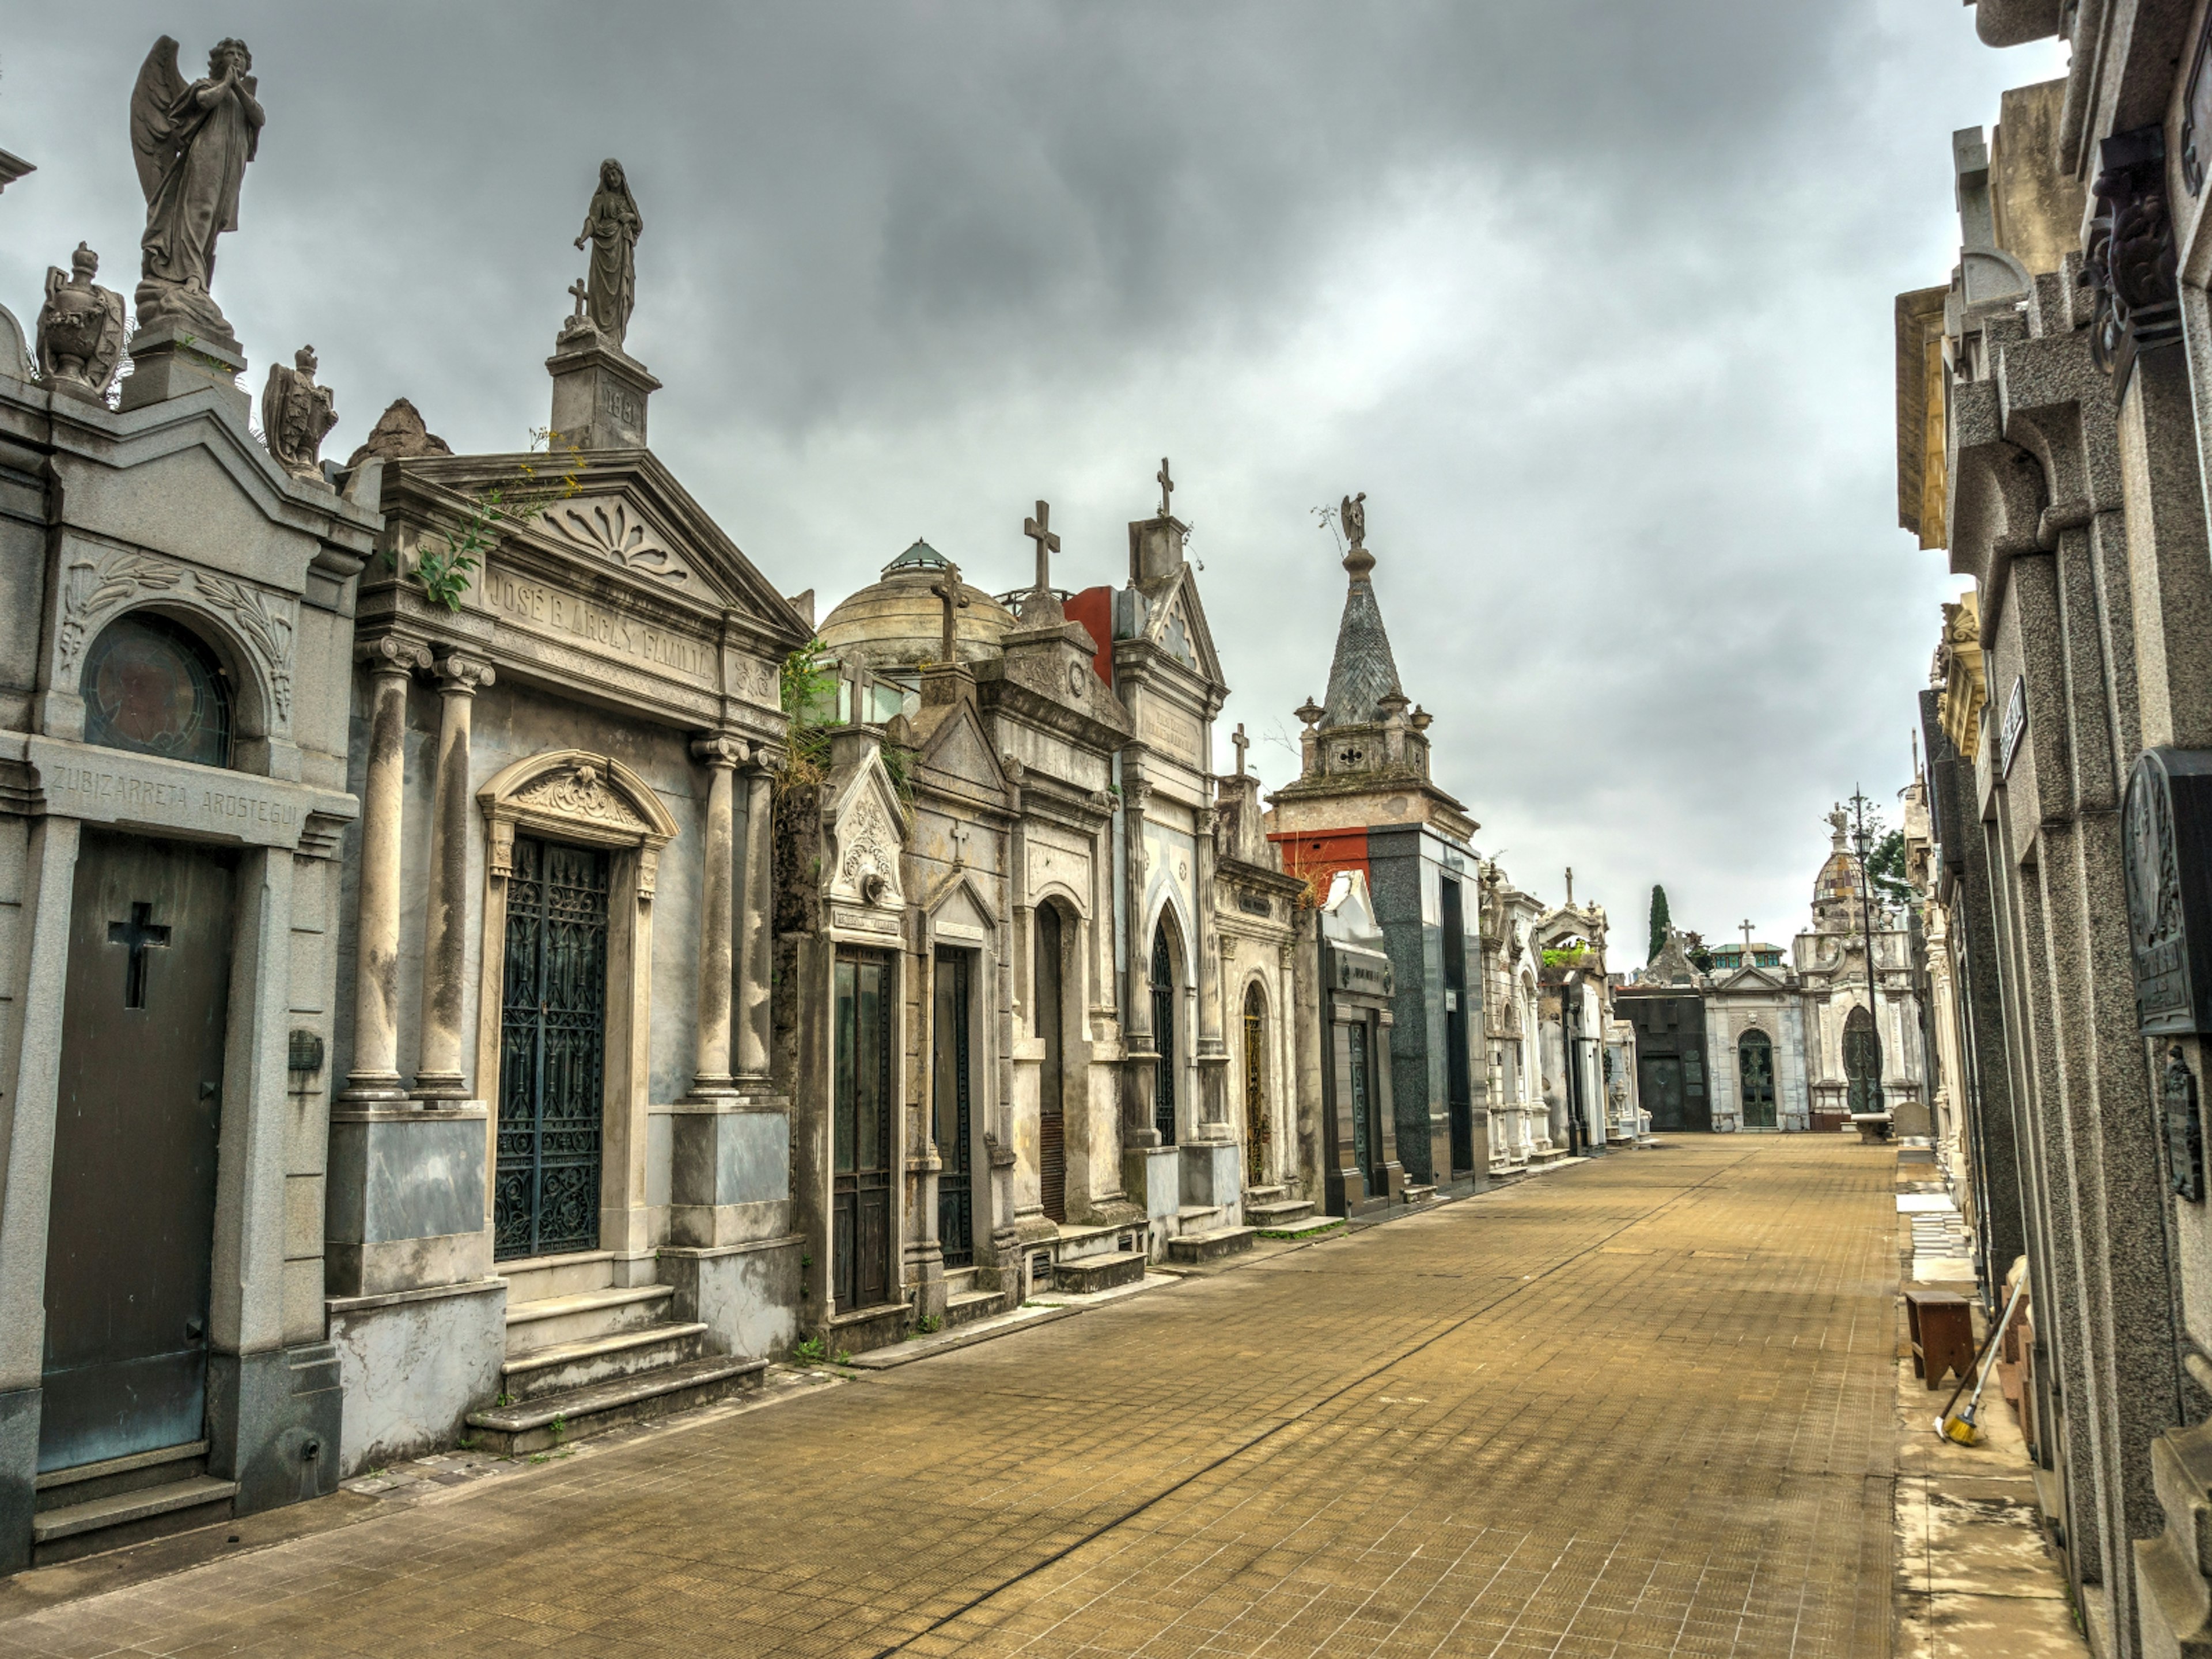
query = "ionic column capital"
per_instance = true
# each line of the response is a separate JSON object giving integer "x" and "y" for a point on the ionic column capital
{"x": 391, "y": 656}
{"x": 463, "y": 676}
{"x": 723, "y": 752}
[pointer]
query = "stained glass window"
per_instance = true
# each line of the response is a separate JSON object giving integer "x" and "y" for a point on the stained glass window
{"x": 152, "y": 687}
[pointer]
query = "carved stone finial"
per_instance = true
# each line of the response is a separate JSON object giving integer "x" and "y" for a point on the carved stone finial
{"x": 611, "y": 227}
{"x": 80, "y": 330}
{"x": 1308, "y": 712}
{"x": 192, "y": 144}
{"x": 398, "y": 433}
{"x": 296, "y": 415}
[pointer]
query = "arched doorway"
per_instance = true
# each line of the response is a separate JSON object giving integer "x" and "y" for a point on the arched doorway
{"x": 1052, "y": 1076}
{"x": 1163, "y": 1034}
{"x": 1755, "y": 1070}
{"x": 1258, "y": 1132}
{"x": 1861, "y": 1063}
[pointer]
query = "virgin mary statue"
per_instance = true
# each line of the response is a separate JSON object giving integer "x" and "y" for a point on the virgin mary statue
{"x": 612, "y": 227}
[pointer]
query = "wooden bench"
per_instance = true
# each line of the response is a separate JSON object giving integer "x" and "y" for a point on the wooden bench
{"x": 1941, "y": 1323}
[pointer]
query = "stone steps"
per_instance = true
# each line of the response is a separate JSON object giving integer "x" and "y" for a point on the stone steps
{"x": 1189, "y": 1249}
{"x": 1305, "y": 1227}
{"x": 1086, "y": 1274}
{"x": 969, "y": 1306}
{"x": 561, "y": 1366}
{"x": 552, "y": 1420}
{"x": 1277, "y": 1212}
{"x": 116, "y": 1518}
{"x": 553, "y": 1321}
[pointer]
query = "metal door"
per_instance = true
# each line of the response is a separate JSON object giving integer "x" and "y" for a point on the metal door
{"x": 861, "y": 1187}
{"x": 1052, "y": 1076}
{"x": 1258, "y": 1132}
{"x": 1354, "y": 1092}
{"x": 1459, "y": 1087}
{"x": 1163, "y": 1012}
{"x": 1861, "y": 1061}
{"x": 952, "y": 1109}
{"x": 1755, "y": 1071}
{"x": 132, "y": 1230}
{"x": 552, "y": 1091}
{"x": 1659, "y": 1087}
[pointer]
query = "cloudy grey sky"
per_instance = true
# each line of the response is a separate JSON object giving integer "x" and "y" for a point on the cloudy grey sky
{"x": 1592, "y": 297}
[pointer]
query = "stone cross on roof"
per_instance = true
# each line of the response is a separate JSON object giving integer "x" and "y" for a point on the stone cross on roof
{"x": 947, "y": 588}
{"x": 1040, "y": 531}
{"x": 1167, "y": 488}
{"x": 1571, "y": 886}
{"x": 1240, "y": 743}
{"x": 1746, "y": 925}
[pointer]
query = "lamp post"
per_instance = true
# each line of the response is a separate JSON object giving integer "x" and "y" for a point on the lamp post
{"x": 1861, "y": 839}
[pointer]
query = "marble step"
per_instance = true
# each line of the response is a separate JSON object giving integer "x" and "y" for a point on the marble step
{"x": 540, "y": 1277}
{"x": 565, "y": 1365}
{"x": 1276, "y": 1212}
{"x": 129, "y": 1518}
{"x": 552, "y": 1420}
{"x": 1190, "y": 1248}
{"x": 1418, "y": 1195}
{"x": 1303, "y": 1227}
{"x": 553, "y": 1321}
{"x": 1099, "y": 1272}
{"x": 165, "y": 1466}
{"x": 969, "y": 1306}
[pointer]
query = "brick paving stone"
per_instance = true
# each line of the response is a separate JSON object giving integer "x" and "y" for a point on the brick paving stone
{"x": 1638, "y": 1407}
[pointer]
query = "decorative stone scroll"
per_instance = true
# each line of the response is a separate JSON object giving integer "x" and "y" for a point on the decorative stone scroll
{"x": 2166, "y": 842}
{"x": 2128, "y": 262}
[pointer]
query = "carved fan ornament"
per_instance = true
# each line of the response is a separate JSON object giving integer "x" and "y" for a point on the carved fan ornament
{"x": 608, "y": 530}
{"x": 581, "y": 792}
{"x": 870, "y": 867}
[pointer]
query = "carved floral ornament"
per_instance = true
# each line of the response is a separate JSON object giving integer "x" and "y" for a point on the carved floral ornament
{"x": 96, "y": 588}
{"x": 578, "y": 797}
{"x": 868, "y": 854}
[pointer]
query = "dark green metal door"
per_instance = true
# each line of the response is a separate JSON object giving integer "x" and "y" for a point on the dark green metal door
{"x": 952, "y": 1110}
{"x": 552, "y": 1052}
{"x": 1755, "y": 1071}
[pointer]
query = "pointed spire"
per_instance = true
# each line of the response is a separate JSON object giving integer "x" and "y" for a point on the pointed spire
{"x": 1363, "y": 673}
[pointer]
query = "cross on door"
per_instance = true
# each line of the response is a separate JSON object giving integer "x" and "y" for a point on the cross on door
{"x": 137, "y": 934}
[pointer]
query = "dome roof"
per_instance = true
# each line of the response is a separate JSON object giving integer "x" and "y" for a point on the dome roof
{"x": 1838, "y": 878}
{"x": 897, "y": 622}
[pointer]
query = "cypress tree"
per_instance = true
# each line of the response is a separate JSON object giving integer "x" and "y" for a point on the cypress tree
{"x": 1660, "y": 922}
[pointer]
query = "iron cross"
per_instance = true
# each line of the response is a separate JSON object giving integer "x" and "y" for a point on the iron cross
{"x": 1039, "y": 530}
{"x": 948, "y": 590}
{"x": 1167, "y": 487}
{"x": 137, "y": 933}
{"x": 1241, "y": 743}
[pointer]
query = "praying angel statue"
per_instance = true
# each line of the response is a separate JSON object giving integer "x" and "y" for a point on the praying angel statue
{"x": 191, "y": 144}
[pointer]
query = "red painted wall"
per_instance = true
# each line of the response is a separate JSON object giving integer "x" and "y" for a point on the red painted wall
{"x": 1318, "y": 855}
{"x": 1094, "y": 608}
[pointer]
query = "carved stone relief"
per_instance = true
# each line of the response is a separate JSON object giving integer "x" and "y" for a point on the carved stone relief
{"x": 608, "y": 529}
{"x": 581, "y": 792}
{"x": 97, "y": 588}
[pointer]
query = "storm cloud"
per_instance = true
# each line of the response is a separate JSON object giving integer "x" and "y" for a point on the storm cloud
{"x": 1593, "y": 300}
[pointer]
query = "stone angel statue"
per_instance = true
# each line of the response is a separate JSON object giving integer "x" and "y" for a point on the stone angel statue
{"x": 192, "y": 144}
{"x": 612, "y": 227}
{"x": 1352, "y": 516}
{"x": 80, "y": 329}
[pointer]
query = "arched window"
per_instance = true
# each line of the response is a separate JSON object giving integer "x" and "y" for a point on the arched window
{"x": 1164, "y": 1034}
{"x": 1755, "y": 1070}
{"x": 1861, "y": 1061}
{"x": 1258, "y": 1132}
{"x": 151, "y": 686}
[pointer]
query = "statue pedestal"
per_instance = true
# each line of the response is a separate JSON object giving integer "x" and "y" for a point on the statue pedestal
{"x": 170, "y": 361}
{"x": 598, "y": 395}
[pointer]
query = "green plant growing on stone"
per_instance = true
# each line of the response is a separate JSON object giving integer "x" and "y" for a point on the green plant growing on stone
{"x": 842, "y": 1357}
{"x": 443, "y": 569}
{"x": 560, "y": 1427}
{"x": 505, "y": 1399}
{"x": 809, "y": 694}
{"x": 809, "y": 1353}
{"x": 928, "y": 1324}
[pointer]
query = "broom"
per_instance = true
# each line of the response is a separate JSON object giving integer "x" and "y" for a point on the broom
{"x": 1961, "y": 1427}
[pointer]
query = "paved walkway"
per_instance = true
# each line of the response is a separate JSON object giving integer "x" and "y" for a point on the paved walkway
{"x": 1642, "y": 1407}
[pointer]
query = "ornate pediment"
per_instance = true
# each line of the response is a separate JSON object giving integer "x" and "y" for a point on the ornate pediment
{"x": 581, "y": 792}
{"x": 577, "y": 796}
{"x": 610, "y": 528}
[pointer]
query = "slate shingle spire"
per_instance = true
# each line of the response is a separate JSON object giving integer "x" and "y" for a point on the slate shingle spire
{"x": 1364, "y": 672}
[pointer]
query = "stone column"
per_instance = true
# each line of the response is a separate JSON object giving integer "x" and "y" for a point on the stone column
{"x": 1141, "y": 1054}
{"x": 756, "y": 919}
{"x": 717, "y": 916}
{"x": 445, "y": 932}
{"x": 1207, "y": 947}
{"x": 374, "y": 1076}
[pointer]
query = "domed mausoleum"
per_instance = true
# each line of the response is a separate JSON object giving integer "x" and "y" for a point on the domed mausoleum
{"x": 898, "y": 622}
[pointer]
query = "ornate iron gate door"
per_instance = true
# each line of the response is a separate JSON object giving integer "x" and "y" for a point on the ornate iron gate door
{"x": 861, "y": 1187}
{"x": 1163, "y": 1004}
{"x": 1755, "y": 1069}
{"x": 130, "y": 1233}
{"x": 1459, "y": 1084}
{"x": 1052, "y": 1077}
{"x": 1258, "y": 1132}
{"x": 552, "y": 1052}
{"x": 1861, "y": 1061}
{"x": 950, "y": 1110}
{"x": 1354, "y": 1091}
